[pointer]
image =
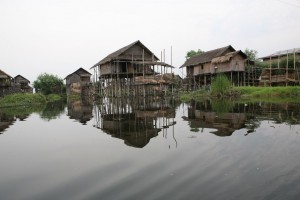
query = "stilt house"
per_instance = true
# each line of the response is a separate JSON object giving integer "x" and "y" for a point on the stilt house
{"x": 202, "y": 68}
{"x": 6, "y": 83}
{"x": 283, "y": 68}
{"x": 127, "y": 69}
{"x": 78, "y": 82}
{"x": 21, "y": 84}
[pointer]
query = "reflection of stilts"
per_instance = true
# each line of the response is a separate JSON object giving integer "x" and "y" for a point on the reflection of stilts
{"x": 135, "y": 120}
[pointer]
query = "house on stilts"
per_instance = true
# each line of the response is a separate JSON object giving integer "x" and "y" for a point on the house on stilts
{"x": 6, "y": 83}
{"x": 133, "y": 71}
{"x": 78, "y": 82}
{"x": 202, "y": 68}
{"x": 22, "y": 84}
{"x": 283, "y": 68}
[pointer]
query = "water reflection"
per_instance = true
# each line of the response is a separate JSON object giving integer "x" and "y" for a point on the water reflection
{"x": 52, "y": 110}
{"x": 9, "y": 115}
{"x": 225, "y": 117}
{"x": 80, "y": 110}
{"x": 135, "y": 122}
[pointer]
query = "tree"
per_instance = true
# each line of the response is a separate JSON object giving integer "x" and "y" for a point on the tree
{"x": 251, "y": 54}
{"x": 192, "y": 53}
{"x": 48, "y": 83}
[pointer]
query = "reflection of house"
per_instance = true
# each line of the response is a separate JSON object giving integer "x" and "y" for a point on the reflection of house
{"x": 135, "y": 132}
{"x": 6, "y": 83}
{"x": 22, "y": 84}
{"x": 80, "y": 110}
{"x": 120, "y": 69}
{"x": 135, "y": 121}
{"x": 201, "y": 69}
{"x": 225, "y": 123}
{"x": 78, "y": 82}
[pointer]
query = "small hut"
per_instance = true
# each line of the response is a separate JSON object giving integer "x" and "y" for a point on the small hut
{"x": 21, "y": 84}
{"x": 78, "y": 82}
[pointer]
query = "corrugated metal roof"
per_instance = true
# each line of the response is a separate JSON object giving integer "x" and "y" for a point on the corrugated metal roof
{"x": 283, "y": 53}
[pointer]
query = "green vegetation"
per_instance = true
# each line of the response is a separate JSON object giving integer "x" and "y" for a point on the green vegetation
{"x": 222, "y": 105}
{"x": 199, "y": 94}
{"x": 53, "y": 97}
{"x": 283, "y": 62}
{"x": 251, "y": 54}
{"x": 192, "y": 53}
{"x": 27, "y": 99}
{"x": 48, "y": 84}
{"x": 269, "y": 92}
{"x": 246, "y": 93}
{"x": 22, "y": 100}
{"x": 220, "y": 85}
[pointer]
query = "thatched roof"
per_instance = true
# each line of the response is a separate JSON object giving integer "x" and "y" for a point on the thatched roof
{"x": 117, "y": 53}
{"x": 81, "y": 72}
{"x": 22, "y": 78}
{"x": 4, "y": 75}
{"x": 207, "y": 56}
{"x": 154, "y": 63}
{"x": 227, "y": 57}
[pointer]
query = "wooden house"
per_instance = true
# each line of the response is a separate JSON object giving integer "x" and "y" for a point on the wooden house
{"x": 201, "y": 69}
{"x": 21, "y": 84}
{"x": 283, "y": 68}
{"x": 6, "y": 83}
{"x": 78, "y": 82}
{"x": 277, "y": 56}
{"x": 119, "y": 69}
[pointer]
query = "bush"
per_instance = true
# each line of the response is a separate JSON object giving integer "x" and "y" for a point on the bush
{"x": 220, "y": 85}
{"x": 22, "y": 100}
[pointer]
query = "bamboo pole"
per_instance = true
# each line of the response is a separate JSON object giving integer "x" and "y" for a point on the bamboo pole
{"x": 286, "y": 68}
{"x": 270, "y": 72}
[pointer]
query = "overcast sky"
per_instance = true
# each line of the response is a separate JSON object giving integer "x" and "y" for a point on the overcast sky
{"x": 59, "y": 36}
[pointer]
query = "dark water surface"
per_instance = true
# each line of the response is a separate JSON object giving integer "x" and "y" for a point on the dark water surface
{"x": 156, "y": 150}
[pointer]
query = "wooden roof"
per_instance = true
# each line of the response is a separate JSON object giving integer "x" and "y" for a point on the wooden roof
{"x": 85, "y": 73}
{"x": 207, "y": 56}
{"x": 117, "y": 53}
{"x": 4, "y": 75}
{"x": 22, "y": 78}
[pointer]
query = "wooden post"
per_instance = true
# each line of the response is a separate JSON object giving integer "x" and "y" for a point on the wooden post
{"x": 287, "y": 67}
{"x": 270, "y": 73}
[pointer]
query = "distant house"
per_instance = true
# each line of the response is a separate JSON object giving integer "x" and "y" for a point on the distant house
{"x": 6, "y": 83}
{"x": 201, "y": 69}
{"x": 281, "y": 55}
{"x": 281, "y": 72}
{"x": 21, "y": 84}
{"x": 78, "y": 82}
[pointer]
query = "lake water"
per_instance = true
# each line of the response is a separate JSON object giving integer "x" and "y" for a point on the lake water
{"x": 152, "y": 149}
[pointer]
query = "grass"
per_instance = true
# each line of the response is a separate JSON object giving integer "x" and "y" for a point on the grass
{"x": 269, "y": 92}
{"x": 199, "y": 94}
{"x": 274, "y": 94}
{"x": 27, "y": 99}
{"x": 53, "y": 98}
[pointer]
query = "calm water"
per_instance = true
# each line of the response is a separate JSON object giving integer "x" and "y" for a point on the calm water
{"x": 152, "y": 149}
